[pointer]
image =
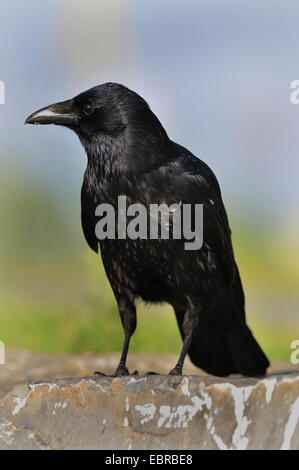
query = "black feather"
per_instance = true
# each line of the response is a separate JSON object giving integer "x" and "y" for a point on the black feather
{"x": 129, "y": 153}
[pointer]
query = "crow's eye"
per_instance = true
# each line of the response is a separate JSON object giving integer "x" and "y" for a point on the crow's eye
{"x": 87, "y": 109}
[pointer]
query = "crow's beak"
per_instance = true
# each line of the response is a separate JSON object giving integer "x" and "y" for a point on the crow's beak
{"x": 62, "y": 114}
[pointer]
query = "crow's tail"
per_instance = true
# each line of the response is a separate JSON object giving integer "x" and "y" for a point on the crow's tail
{"x": 210, "y": 352}
{"x": 247, "y": 355}
{"x": 223, "y": 344}
{"x": 229, "y": 352}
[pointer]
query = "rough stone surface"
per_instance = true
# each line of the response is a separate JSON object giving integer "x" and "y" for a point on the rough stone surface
{"x": 25, "y": 366}
{"x": 154, "y": 412}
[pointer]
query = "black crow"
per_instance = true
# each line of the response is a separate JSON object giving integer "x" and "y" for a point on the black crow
{"x": 129, "y": 154}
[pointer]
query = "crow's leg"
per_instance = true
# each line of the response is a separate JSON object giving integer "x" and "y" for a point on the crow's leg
{"x": 189, "y": 326}
{"x": 122, "y": 368}
{"x": 127, "y": 312}
{"x": 179, "y": 366}
{"x": 188, "y": 321}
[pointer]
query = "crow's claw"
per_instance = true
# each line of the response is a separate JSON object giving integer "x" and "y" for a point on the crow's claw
{"x": 120, "y": 372}
{"x": 175, "y": 371}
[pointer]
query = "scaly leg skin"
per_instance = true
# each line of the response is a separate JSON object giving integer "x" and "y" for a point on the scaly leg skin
{"x": 178, "y": 369}
{"x": 190, "y": 323}
{"x": 128, "y": 317}
{"x": 189, "y": 326}
{"x": 122, "y": 369}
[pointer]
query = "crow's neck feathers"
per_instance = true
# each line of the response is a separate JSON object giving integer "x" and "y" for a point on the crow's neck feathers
{"x": 134, "y": 151}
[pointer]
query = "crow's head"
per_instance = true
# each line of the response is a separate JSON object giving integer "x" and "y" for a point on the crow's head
{"x": 109, "y": 109}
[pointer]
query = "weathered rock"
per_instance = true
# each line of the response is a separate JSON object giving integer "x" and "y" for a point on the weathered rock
{"x": 26, "y": 366}
{"x": 154, "y": 412}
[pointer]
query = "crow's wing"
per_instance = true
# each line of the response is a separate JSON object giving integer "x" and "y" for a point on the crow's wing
{"x": 185, "y": 179}
{"x": 229, "y": 345}
{"x": 88, "y": 219}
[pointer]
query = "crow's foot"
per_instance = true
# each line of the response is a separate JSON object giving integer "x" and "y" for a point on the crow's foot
{"x": 120, "y": 372}
{"x": 176, "y": 371}
{"x": 100, "y": 373}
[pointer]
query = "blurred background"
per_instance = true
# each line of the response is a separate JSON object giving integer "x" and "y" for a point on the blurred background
{"x": 217, "y": 73}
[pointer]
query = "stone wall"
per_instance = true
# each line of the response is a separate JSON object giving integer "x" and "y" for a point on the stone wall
{"x": 153, "y": 412}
